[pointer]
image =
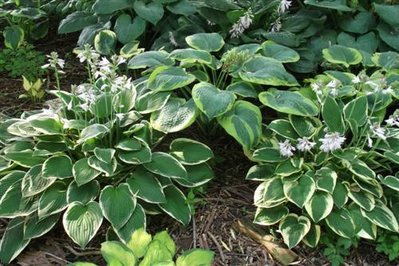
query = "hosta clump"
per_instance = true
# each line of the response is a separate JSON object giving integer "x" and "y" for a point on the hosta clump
{"x": 330, "y": 160}
{"x": 92, "y": 159}
{"x": 203, "y": 84}
{"x": 145, "y": 250}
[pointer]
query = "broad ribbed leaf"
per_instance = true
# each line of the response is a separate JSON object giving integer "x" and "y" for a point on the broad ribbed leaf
{"x": 166, "y": 165}
{"x": 145, "y": 185}
{"x": 319, "y": 206}
{"x": 390, "y": 181}
{"x": 341, "y": 222}
{"x": 211, "y": 42}
{"x": 190, "y": 152}
{"x": 108, "y": 7}
{"x": 362, "y": 198}
{"x": 293, "y": 229}
{"x": 152, "y": 101}
{"x": 33, "y": 182}
{"x": 116, "y": 253}
{"x": 243, "y": 122}
{"x": 326, "y": 179}
{"x": 53, "y": 200}
{"x": 388, "y": 13}
{"x": 143, "y": 155}
{"x": 150, "y": 59}
{"x": 176, "y": 205}
{"x": 212, "y": 101}
{"x": 168, "y": 78}
{"x": 300, "y": 191}
{"x": 83, "y": 193}
{"x": 332, "y": 115}
{"x": 139, "y": 242}
{"x": 92, "y": 131}
{"x": 357, "y": 110}
{"x": 279, "y": 52}
{"x": 136, "y": 221}
{"x": 105, "y": 42}
{"x": 270, "y": 216}
{"x": 13, "y": 241}
{"x": 269, "y": 155}
{"x": 194, "y": 256}
{"x": 83, "y": 173}
{"x": 35, "y": 227}
{"x": 283, "y": 128}
{"x": 338, "y": 54}
{"x": 197, "y": 175}
{"x": 58, "y": 167}
{"x": 82, "y": 221}
{"x": 382, "y": 216}
{"x": 127, "y": 30}
{"x": 150, "y": 11}
{"x": 117, "y": 204}
{"x": 289, "y": 102}
{"x": 270, "y": 193}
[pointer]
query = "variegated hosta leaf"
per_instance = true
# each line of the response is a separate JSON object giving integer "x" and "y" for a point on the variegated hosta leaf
{"x": 191, "y": 56}
{"x": 150, "y": 59}
{"x": 362, "y": 198}
{"x": 117, "y": 204}
{"x": 326, "y": 179}
{"x": 83, "y": 173}
{"x": 33, "y": 182}
{"x": 166, "y": 165}
{"x": 13, "y": 241}
{"x": 300, "y": 191}
{"x": 35, "y": 227}
{"x": 190, "y": 152}
{"x": 294, "y": 229}
{"x": 53, "y": 200}
{"x": 59, "y": 167}
{"x": 116, "y": 253}
{"x": 211, "y": 42}
{"x": 270, "y": 193}
{"x": 84, "y": 193}
{"x": 136, "y": 221}
{"x": 270, "y": 216}
{"x": 340, "y": 194}
{"x": 341, "y": 222}
{"x": 176, "y": 205}
{"x": 168, "y": 78}
{"x": 319, "y": 206}
{"x": 197, "y": 175}
{"x": 243, "y": 122}
{"x": 364, "y": 227}
{"x": 82, "y": 221}
{"x": 382, "y": 216}
{"x": 146, "y": 186}
{"x": 390, "y": 181}
{"x": 313, "y": 236}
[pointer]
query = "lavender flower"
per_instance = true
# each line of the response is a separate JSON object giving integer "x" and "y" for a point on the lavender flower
{"x": 331, "y": 142}
{"x": 286, "y": 149}
{"x": 304, "y": 144}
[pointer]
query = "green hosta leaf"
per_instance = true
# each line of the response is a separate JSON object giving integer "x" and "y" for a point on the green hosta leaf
{"x": 312, "y": 238}
{"x": 128, "y": 31}
{"x": 279, "y": 52}
{"x": 364, "y": 227}
{"x": 152, "y": 101}
{"x": 338, "y": 54}
{"x": 83, "y": 193}
{"x": 243, "y": 89}
{"x": 283, "y": 128}
{"x": 168, "y": 78}
{"x": 166, "y": 165}
{"x": 12, "y": 204}
{"x": 107, "y": 169}
{"x": 184, "y": 7}
{"x": 195, "y": 256}
{"x": 13, "y": 36}
{"x": 287, "y": 168}
{"x": 361, "y": 169}
{"x": 340, "y": 194}
{"x": 129, "y": 144}
{"x": 211, "y": 42}
{"x": 13, "y": 241}
{"x": 300, "y": 191}
{"x": 59, "y": 167}
{"x": 212, "y": 101}
{"x": 361, "y": 23}
{"x": 303, "y": 126}
{"x": 243, "y": 122}
{"x": 108, "y": 7}
{"x": 341, "y": 222}
{"x": 294, "y": 229}
{"x": 25, "y": 158}
{"x": 332, "y": 115}
{"x": 387, "y": 60}
{"x": 388, "y": 13}
{"x": 136, "y": 221}
{"x": 105, "y": 42}
{"x": 191, "y": 56}
{"x": 326, "y": 179}
{"x": 143, "y": 155}
{"x": 145, "y": 186}
{"x": 157, "y": 254}
{"x": 319, "y": 206}
{"x": 330, "y": 4}
{"x": 83, "y": 173}
{"x": 270, "y": 193}
{"x": 150, "y": 59}
{"x": 357, "y": 110}
{"x": 117, "y": 204}
{"x": 82, "y": 221}
{"x": 270, "y": 155}
{"x": 33, "y": 182}
{"x": 46, "y": 125}
{"x": 382, "y": 216}
{"x": 10, "y": 179}
{"x": 131, "y": 48}
{"x": 35, "y": 227}
{"x": 362, "y": 198}
{"x": 92, "y": 131}
{"x": 270, "y": 216}
{"x": 289, "y": 102}
{"x": 116, "y": 253}
{"x": 190, "y": 152}
{"x": 104, "y": 155}
{"x": 152, "y": 12}
{"x": 124, "y": 100}
{"x": 372, "y": 186}
{"x": 53, "y": 200}
{"x": 266, "y": 71}
{"x": 175, "y": 116}
{"x": 390, "y": 181}
{"x": 176, "y": 205}
{"x": 197, "y": 175}
{"x": 139, "y": 242}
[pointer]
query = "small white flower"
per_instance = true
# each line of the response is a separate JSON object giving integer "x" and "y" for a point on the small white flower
{"x": 304, "y": 144}
{"x": 393, "y": 120}
{"x": 242, "y": 24}
{"x": 286, "y": 149}
{"x": 54, "y": 61}
{"x": 284, "y": 6}
{"x": 331, "y": 142}
{"x": 369, "y": 142}
{"x": 85, "y": 106}
{"x": 276, "y": 26}
{"x": 356, "y": 80}
{"x": 333, "y": 84}
{"x": 334, "y": 92}
{"x": 378, "y": 131}
{"x": 172, "y": 39}
{"x": 316, "y": 87}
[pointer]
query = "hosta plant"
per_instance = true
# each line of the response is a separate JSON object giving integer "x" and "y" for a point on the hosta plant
{"x": 329, "y": 161}
{"x": 214, "y": 88}
{"x": 92, "y": 158}
{"x": 145, "y": 250}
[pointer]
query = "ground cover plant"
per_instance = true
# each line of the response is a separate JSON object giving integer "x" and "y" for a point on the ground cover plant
{"x": 92, "y": 157}
{"x": 328, "y": 164}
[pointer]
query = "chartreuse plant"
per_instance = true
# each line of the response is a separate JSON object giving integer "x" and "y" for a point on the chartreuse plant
{"x": 198, "y": 83}
{"x": 329, "y": 162}
{"x": 91, "y": 159}
{"x": 144, "y": 250}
